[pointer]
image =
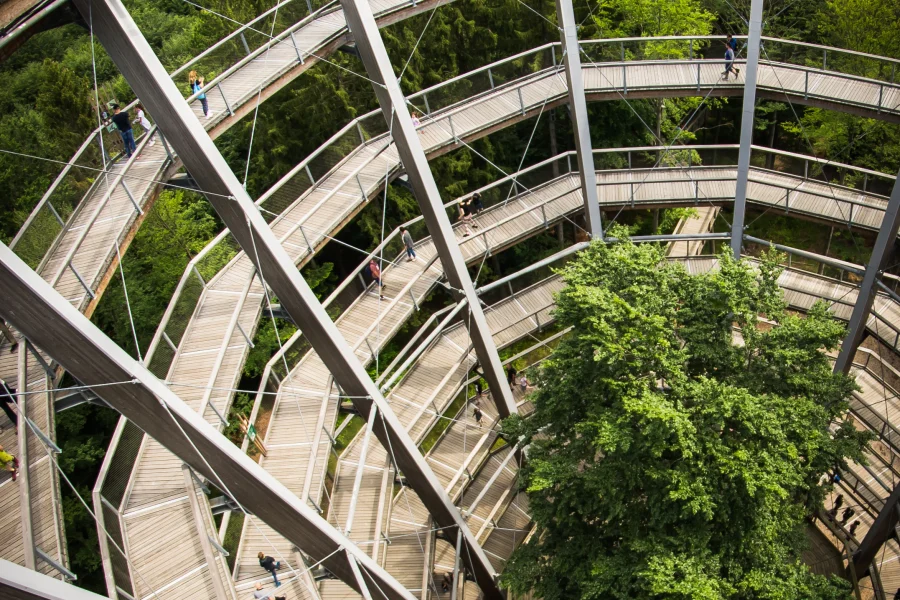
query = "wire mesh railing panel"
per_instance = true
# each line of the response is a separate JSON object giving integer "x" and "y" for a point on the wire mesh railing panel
{"x": 217, "y": 257}
{"x": 482, "y": 80}
{"x": 119, "y": 473}
{"x": 121, "y": 575}
{"x": 71, "y": 187}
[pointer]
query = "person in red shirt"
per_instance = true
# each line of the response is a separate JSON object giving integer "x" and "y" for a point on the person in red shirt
{"x": 375, "y": 272}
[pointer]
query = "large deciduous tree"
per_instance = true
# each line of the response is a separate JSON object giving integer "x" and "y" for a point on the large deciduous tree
{"x": 670, "y": 457}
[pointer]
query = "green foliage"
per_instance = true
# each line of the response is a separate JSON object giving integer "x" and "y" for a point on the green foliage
{"x": 667, "y": 461}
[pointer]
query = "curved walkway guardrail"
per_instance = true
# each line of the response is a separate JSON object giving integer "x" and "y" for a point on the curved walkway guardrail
{"x": 372, "y": 154}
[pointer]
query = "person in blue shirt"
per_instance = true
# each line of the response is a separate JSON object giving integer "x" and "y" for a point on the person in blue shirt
{"x": 733, "y": 43}
{"x": 729, "y": 61}
{"x": 196, "y": 86}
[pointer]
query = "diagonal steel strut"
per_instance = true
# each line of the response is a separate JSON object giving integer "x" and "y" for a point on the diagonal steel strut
{"x": 124, "y": 42}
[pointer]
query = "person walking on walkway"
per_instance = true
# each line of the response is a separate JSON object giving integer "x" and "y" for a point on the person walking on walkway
{"x": 846, "y": 515}
{"x": 477, "y": 203}
{"x": 7, "y": 401}
{"x": 729, "y": 62}
{"x": 469, "y": 212}
{"x": 408, "y": 244}
{"x": 197, "y": 82}
{"x": 733, "y": 43}
{"x": 9, "y": 462}
{"x": 511, "y": 375}
{"x": 478, "y": 415}
{"x": 144, "y": 121}
{"x": 462, "y": 218}
{"x": 120, "y": 118}
{"x": 375, "y": 272}
{"x": 271, "y": 565}
{"x": 415, "y": 121}
{"x": 261, "y": 594}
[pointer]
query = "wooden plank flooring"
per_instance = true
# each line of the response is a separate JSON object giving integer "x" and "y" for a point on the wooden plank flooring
{"x": 370, "y": 162}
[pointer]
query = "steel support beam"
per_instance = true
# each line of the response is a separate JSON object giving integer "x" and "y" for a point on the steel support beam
{"x": 19, "y": 583}
{"x": 881, "y": 254}
{"x": 409, "y": 147}
{"x": 141, "y": 68}
{"x": 878, "y": 534}
{"x": 747, "y": 118}
{"x": 50, "y": 321}
{"x": 572, "y": 51}
{"x": 22, "y": 404}
{"x": 205, "y": 546}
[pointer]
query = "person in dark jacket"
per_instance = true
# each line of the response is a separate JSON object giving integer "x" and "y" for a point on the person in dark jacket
{"x": 271, "y": 565}
{"x": 7, "y": 401}
{"x": 123, "y": 123}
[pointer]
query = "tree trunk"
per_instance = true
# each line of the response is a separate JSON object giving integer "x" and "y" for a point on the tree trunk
{"x": 770, "y": 159}
{"x": 553, "y": 147}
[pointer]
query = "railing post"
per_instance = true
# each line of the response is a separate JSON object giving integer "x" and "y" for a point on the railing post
{"x": 413, "y": 298}
{"x": 296, "y": 47}
{"x": 427, "y": 108}
{"x": 246, "y": 45}
{"x": 691, "y": 50}
{"x": 553, "y": 54}
{"x": 824, "y": 59}
{"x": 227, "y": 106}
{"x": 134, "y": 202}
{"x": 624, "y": 80}
{"x": 309, "y": 174}
{"x": 806, "y": 85}
{"x": 55, "y": 214}
{"x": 362, "y": 137}
{"x": 787, "y": 202}
{"x": 544, "y": 215}
{"x": 305, "y": 239}
{"x": 309, "y": 6}
{"x": 491, "y": 78}
{"x": 521, "y": 101}
{"x": 452, "y": 130}
{"x": 82, "y": 281}
{"x": 362, "y": 190}
{"x": 880, "y": 96}
{"x": 698, "y": 76}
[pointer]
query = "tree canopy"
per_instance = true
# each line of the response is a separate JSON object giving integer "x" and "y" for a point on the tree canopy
{"x": 668, "y": 457}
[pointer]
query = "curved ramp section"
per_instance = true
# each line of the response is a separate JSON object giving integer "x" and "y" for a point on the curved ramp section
{"x": 368, "y": 175}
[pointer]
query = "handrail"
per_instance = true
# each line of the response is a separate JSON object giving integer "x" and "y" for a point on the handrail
{"x": 253, "y": 55}
{"x": 45, "y": 199}
{"x": 667, "y": 38}
{"x": 229, "y": 37}
{"x": 111, "y": 187}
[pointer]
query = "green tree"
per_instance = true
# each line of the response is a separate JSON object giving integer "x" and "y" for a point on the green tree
{"x": 664, "y": 459}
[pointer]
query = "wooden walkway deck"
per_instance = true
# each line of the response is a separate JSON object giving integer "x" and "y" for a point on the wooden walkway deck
{"x": 198, "y": 364}
{"x": 205, "y": 358}
{"x": 83, "y": 258}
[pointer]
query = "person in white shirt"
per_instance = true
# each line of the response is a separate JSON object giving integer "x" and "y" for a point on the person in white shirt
{"x": 261, "y": 594}
{"x": 144, "y": 121}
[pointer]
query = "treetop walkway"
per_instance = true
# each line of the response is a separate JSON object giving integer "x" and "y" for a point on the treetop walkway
{"x": 211, "y": 301}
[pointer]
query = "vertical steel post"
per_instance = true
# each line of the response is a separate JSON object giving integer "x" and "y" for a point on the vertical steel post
{"x": 751, "y": 72}
{"x": 409, "y": 147}
{"x": 141, "y": 68}
{"x": 881, "y": 254}
{"x": 569, "y": 37}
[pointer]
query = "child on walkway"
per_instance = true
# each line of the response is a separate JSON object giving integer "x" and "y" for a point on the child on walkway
{"x": 196, "y": 86}
{"x": 261, "y": 594}
{"x": 144, "y": 121}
